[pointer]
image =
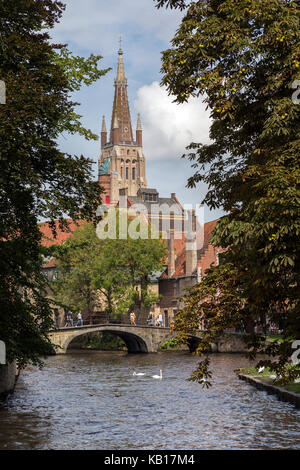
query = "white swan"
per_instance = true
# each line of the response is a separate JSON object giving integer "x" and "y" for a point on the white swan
{"x": 157, "y": 376}
{"x": 261, "y": 369}
{"x": 138, "y": 373}
{"x": 273, "y": 377}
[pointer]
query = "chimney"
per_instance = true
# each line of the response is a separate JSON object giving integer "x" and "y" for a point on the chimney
{"x": 171, "y": 253}
{"x": 191, "y": 246}
{"x": 103, "y": 133}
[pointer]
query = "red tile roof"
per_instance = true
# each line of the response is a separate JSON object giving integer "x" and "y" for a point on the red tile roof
{"x": 48, "y": 238}
{"x": 208, "y": 229}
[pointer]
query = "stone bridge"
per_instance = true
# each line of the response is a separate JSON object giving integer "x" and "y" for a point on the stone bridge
{"x": 138, "y": 339}
{"x": 143, "y": 339}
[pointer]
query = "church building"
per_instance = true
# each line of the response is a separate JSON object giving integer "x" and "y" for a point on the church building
{"x": 122, "y": 168}
{"x": 122, "y": 175}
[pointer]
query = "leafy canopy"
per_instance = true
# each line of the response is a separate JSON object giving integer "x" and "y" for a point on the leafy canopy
{"x": 105, "y": 274}
{"x": 243, "y": 59}
{"x": 37, "y": 180}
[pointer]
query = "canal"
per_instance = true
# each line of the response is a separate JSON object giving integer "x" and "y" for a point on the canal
{"x": 92, "y": 400}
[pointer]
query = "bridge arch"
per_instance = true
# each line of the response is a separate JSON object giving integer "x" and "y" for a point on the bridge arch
{"x": 192, "y": 343}
{"x": 134, "y": 343}
{"x": 136, "y": 339}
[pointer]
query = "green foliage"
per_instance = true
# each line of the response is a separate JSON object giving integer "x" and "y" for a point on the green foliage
{"x": 253, "y": 371}
{"x": 170, "y": 343}
{"x": 79, "y": 71}
{"x": 102, "y": 341}
{"x": 181, "y": 4}
{"x": 243, "y": 58}
{"x": 293, "y": 387}
{"x": 37, "y": 180}
{"x": 265, "y": 374}
{"x": 109, "y": 274}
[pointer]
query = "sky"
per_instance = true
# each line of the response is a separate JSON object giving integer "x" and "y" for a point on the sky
{"x": 95, "y": 26}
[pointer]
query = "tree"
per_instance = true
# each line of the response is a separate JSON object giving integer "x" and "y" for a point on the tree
{"x": 37, "y": 180}
{"x": 89, "y": 274}
{"x": 141, "y": 252}
{"x": 243, "y": 58}
{"x": 94, "y": 272}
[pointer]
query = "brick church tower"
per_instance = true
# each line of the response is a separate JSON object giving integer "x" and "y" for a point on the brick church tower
{"x": 122, "y": 168}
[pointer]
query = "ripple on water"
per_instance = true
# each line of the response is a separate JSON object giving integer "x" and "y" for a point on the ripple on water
{"x": 92, "y": 401}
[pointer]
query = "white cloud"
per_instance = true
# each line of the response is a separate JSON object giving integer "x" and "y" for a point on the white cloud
{"x": 169, "y": 127}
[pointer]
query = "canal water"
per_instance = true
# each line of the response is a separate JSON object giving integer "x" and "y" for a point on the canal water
{"x": 92, "y": 400}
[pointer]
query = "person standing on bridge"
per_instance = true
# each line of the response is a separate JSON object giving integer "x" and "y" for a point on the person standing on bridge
{"x": 69, "y": 319}
{"x": 132, "y": 318}
{"x": 79, "y": 319}
{"x": 150, "y": 320}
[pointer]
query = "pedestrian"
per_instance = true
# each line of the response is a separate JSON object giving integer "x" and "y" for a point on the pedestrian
{"x": 79, "y": 319}
{"x": 160, "y": 320}
{"x": 67, "y": 319}
{"x": 132, "y": 318}
{"x": 71, "y": 319}
{"x": 150, "y": 319}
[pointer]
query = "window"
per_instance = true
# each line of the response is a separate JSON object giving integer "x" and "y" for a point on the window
{"x": 121, "y": 172}
{"x": 133, "y": 173}
{"x": 127, "y": 172}
{"x": 150, "y": 197}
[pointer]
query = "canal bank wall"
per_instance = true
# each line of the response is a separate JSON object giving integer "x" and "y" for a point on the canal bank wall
{"x": 8, "y": 377}
{"x": 230, "y": 343}
{"x": 280, "y": 392}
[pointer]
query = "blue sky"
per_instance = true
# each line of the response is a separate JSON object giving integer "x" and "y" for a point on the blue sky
{"x": 94, "y": 26}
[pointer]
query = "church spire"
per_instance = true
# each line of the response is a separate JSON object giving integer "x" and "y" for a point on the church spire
{"x": 103, "y": 133}
{"x": 121, "y": 110}
{"x": 103, "y": 124}
{"x": 120, "y": 73}
{"x": 115, "y": 130}
{"x": 139, "y": 124}
{"x": 139, "y": 132}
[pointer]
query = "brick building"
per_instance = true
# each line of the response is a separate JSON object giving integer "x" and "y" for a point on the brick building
{"x": 187, "y": 264}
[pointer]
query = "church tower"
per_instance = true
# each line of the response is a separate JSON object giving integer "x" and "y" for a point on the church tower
{"x": 122, "y": 161}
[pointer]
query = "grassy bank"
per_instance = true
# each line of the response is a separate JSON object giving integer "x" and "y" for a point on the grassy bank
{"x": 265, "y": 376}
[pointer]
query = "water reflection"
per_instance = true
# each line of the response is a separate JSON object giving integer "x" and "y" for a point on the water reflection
{"x": 92, "y": 401}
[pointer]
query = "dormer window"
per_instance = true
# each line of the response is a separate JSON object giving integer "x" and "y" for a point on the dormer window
{"x": 148, "y": 197}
